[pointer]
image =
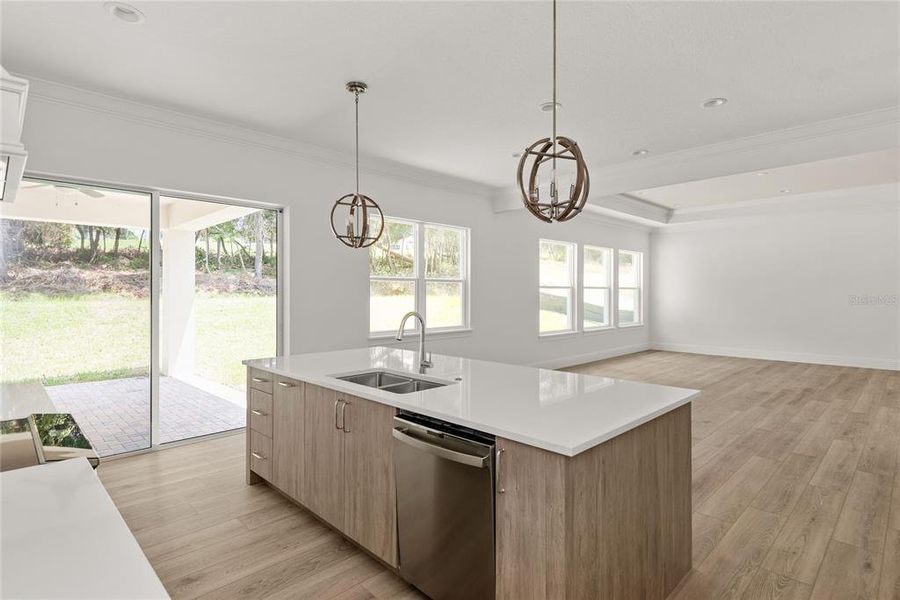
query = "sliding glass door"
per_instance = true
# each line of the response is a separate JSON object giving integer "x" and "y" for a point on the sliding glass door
{"x": 133, "y": 311}
{"x": 218, "y": 307}
{"x": 75, "y": 307}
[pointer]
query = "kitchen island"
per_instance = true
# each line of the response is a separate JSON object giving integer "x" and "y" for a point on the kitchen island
{"x": 593, "y": 494}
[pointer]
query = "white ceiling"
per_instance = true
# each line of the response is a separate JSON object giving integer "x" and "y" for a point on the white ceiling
{"x": 455, "y": 86}
{"x": 860, "y": 170}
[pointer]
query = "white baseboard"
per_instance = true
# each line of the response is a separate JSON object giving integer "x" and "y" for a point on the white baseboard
{"x": 864, "y": 362}
{"x": 580, "y": 359}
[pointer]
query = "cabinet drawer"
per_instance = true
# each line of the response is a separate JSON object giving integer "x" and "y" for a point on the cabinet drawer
{"x": 261, "y": 412}
{"x": 260, "y": 454}
{"x": 260, "y": 380}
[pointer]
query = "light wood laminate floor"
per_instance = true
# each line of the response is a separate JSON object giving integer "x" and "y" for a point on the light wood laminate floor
{"x": 796, "y": 495}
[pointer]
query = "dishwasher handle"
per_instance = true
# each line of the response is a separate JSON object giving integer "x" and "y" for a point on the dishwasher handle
{"x": 460, "y": 457}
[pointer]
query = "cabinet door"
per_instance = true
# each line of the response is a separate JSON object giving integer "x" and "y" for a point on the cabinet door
{"x": 370, "y": 515}
{"x": 288, "y": 416}
{"x": 323, "y": 481}
{"x": 530, "y": 522}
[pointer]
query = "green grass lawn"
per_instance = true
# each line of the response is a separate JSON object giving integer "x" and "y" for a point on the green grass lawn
{"x": 231, "y": 328}
{"x": 105, "y": 336}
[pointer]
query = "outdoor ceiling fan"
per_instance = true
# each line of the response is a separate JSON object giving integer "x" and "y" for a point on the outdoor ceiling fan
{"x": 93, "y": 193}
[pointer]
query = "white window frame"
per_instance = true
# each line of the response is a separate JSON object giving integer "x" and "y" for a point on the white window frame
{"x": 610, "y": 257}
{"x": 573, "y": 287}
{"x": 639, "y": 289}
{"x": 420, "y": 281}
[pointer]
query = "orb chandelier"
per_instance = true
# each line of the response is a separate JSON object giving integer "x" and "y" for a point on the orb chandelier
{"x": 560, "y": 155}
{"x": 356, "y": 219}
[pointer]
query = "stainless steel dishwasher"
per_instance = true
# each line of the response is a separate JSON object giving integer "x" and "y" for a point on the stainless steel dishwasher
{"x": 445, "y": 507}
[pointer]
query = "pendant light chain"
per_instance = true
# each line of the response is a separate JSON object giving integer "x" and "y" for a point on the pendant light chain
{"x": 554, "y": 88}
{"x": 356, "y": 94}
{"x": 554, "y": 185}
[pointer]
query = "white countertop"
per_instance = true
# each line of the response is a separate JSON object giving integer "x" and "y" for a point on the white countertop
{"x": 18, "y": 400}
{"x": 558, "y": 411}
{"x": 63, "y": 538}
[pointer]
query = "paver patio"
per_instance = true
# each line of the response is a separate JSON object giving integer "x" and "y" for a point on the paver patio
{"x": 115, "y": 414}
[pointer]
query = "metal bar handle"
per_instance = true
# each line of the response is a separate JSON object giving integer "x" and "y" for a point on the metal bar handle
{"x": 500, "y": 490}
{"x": 259, "y": 413}
{"x": 286, "y": 384}
{"x": 344, "y": 417}
{"x": 258, "y": 455}
{"x": 460, "y": 457}
{"x": 336, "y": 426}
{"x": 260, "y": 380}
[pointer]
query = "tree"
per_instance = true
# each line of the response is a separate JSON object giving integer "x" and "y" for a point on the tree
{"x": 206, "y": 255}
{"x": 11, "y": 245}
{"x": 260, "y": 227}
{"x": 116, "y": 242}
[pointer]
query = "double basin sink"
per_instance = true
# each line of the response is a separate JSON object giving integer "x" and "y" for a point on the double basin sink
{"x": 391, "y": 382}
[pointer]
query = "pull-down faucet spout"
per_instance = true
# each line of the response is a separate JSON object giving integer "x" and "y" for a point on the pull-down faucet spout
{"x": 424, "y": 360}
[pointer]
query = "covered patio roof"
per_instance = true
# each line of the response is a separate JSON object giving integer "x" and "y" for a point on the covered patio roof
{"x": 102, "y": 207}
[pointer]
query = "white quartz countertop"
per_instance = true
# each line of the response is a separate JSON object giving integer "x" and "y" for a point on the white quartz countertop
{"x": 558, "y": 411}
{"x": 63, "y": 538}
{"x": 18, "y": 400}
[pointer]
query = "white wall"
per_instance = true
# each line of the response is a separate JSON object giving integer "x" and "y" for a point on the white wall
{"x": 71, "y": 133}
{"x": 774, "y": 280}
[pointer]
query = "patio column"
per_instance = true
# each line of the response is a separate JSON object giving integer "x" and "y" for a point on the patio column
{"x": 177, "y": 321}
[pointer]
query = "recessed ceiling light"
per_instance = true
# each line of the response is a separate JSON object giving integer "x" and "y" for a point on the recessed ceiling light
{"x": 762, "y": 173}
{"x": 641, "y": 152}
{"x": 548, "y": 106}
{"x": 715, "y": 102}
{"x": 125, "y": 12}
{"x": 784, "y": 191}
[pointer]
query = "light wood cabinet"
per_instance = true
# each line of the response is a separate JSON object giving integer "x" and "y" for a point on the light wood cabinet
{"x": 259, "y": 380}
{"x": 329, "y": 451}
{"x": 323, "y": 481}
{"x": 287, "y": 426}
{"x": 260, "y": 412}
{"x": 553, "y": 537}
{"x": 530, "y": 561}
{"x": 370, "y": 515}
{"x": 259, "y": 454}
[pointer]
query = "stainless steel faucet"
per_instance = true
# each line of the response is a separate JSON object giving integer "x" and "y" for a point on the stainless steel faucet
{"x": 424, "y": 359}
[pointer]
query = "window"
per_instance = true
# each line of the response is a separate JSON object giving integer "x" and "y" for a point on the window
{"x": 597, "y": 280}
{"x": 557, "y": 286}
{"x": 419, "y": 266}
{"x": 629, "y": 285}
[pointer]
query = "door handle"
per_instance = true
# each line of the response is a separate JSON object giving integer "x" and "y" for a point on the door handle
{"x": 344, "y": 417}
{"x": 259, "y": 380}
{"x": 258, "y": 455}
{"x": 500, "y": 490}
{"x": 258, "y": 413}
{"x": 286, "y": 384}
{"x": 336, "y": 426}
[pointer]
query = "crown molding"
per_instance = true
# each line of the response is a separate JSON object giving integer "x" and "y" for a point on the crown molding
{"x": 843, "y": 136}
{"x": 822, "y": 140}
{"x": 43, "y": 90}
{"x": 644, "y": 210}
{"x": 885, "y": 196}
